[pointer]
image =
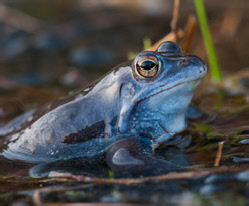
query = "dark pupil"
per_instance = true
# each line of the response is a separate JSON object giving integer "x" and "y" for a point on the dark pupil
{"x": 147, "y": 65}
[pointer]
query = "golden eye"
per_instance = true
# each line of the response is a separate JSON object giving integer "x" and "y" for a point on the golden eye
{"x": 147, "y": 66}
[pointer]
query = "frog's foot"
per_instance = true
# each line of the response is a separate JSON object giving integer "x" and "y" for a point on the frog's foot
{"x": 77, "y": 165}
{"x": 129, "y": 157}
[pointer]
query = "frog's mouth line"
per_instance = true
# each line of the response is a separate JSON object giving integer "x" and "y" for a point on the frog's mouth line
{"x": 167, "y": 89}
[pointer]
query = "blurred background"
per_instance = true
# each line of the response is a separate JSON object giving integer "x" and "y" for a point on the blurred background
{"x": 48, "y": 48}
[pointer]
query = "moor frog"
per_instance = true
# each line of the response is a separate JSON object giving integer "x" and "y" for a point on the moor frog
{"x": 122, "y": 118}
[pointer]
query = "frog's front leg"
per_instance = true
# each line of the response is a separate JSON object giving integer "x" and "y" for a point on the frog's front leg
{"x": 133, "y": 157}
{"x": 156, "y": 130}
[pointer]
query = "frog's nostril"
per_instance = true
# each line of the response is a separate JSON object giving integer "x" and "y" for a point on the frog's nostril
{"x": 202, "y": 69}
{"x": 184, "y": 62}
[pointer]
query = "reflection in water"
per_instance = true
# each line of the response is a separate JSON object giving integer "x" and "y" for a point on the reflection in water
{"x": 11, "y": 168}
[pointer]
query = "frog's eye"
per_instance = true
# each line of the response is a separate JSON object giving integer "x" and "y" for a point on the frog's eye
{"x": 147, "y": 66}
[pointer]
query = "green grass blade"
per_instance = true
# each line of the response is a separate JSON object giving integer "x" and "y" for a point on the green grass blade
{"x": 147, "y": 43}
{"x": 212, "y": 57}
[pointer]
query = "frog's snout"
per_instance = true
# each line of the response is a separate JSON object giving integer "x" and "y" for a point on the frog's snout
{"x": 194, "y": 61}
{"x": 197, "y": 60}
{"x": 200, "y": 64}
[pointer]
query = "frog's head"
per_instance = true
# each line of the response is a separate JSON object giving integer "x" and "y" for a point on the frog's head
{"x": 160, "y": 92}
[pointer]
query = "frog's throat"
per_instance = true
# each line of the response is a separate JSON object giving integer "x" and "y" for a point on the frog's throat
{"x": 126, "y": 111}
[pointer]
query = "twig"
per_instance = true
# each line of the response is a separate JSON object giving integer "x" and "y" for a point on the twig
{"x": 37, "y": 194}
{"x": 130, "y": 181}
{"x": 175, "y": 33}
{"x": 175, "y": 17}
{"x": 230, "y": 23}
{"x": 219, "y": 153}
{"x": 169, "y": 37}
{"x": 189, "y": 33}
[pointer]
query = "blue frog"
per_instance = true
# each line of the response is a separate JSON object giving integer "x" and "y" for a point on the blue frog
{"x": 122, "y": 118}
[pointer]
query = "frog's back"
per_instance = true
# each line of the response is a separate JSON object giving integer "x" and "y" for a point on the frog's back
{"x": 25, "y": 120}
{"x": 64, "y": 130}
{"x": 45, "y": 134}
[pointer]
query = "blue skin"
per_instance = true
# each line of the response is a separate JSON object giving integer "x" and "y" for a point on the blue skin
{"x": 123, "y": 117}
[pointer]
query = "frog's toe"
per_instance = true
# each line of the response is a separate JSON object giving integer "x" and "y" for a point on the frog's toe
{"x": 43, "y": 169}
{"x": 40, "y": 170}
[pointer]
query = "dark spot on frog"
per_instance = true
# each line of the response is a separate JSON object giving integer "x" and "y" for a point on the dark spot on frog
{"x": 94, "y": 131}
{"x": 86, "y": 134}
